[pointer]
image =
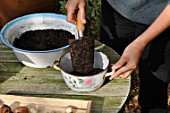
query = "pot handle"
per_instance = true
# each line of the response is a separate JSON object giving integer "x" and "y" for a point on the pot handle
{"x": 110, "y": 73}
{"x": 56, "y": 65}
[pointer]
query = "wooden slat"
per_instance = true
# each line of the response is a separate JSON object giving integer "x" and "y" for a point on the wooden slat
{"x": 1, "y": 42}
{"x": 48, "y": 104}
{"x": 10, "y": 67}
{"x": 4, "y": 48}
{"x": 45, "y": 101}
{"x": 30, "y": 86}
{"x": 8, "y": 56}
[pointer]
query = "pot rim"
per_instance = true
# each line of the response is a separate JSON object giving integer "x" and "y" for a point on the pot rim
{"x": 9, "y": 24}
{"x": 87, "y": 75}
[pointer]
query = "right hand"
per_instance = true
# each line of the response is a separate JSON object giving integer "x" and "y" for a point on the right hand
{"x": 72, "y": 6}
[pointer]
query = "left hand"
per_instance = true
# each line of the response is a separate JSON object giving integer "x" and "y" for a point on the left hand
{"x": 128, "y": 61}
{"x": 132, "y": 53}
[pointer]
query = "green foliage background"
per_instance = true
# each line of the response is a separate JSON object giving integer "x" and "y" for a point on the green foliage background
{"x": 93, "y": 16}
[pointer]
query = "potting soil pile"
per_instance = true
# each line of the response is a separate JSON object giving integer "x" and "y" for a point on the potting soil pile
{"x": 39, "y": 40}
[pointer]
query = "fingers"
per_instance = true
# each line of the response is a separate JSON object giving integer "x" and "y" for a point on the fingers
{"x": 122, "y": 72}
{"x": 123, "y": 68}
{"x": 126, "y": 75}
{"x": 82, "y": 12}
{"x": 71, "y": 17}
{"x": 71, "y": 7}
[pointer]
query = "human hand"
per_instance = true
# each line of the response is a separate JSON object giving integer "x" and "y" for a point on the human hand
{"x": 128, "y": 61}
{"x": 72, "y": 6}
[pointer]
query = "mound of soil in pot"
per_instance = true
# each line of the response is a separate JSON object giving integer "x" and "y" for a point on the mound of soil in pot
{"x": 39, "y": 40}
{"x": 82, "y": 56}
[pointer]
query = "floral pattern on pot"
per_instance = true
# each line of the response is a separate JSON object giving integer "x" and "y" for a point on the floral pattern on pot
{"x": 79, "y": 83}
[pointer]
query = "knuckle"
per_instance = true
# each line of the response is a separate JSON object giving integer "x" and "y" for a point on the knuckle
{"x": 68, "y": 19}
{"x": 124, "y": 56}
{"x": 133, "y": 66}
{"x": 82, "y": 5}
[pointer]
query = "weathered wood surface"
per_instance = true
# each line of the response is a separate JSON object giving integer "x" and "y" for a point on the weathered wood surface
{"x": 18, "y": 79}
{"x": 46, "y": 105}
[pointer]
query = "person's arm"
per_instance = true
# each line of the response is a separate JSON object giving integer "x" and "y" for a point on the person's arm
{"x": 72, "y": 6}
{"x": 132, "y": 53}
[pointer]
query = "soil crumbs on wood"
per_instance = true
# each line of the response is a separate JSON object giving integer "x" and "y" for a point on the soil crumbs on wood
{"x": 39, "y": 40}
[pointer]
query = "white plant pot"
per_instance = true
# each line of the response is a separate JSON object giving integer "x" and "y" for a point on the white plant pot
{"x": 84, "y": 83}
{"x": 39, "y": 21}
